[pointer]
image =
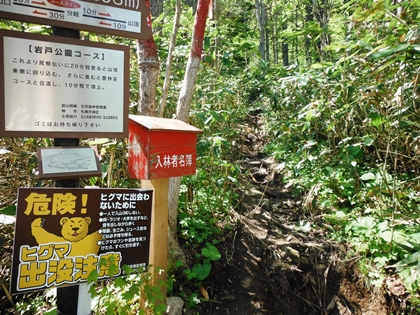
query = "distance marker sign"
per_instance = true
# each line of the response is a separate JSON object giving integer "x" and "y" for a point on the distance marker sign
{"x": 127, "y": 18}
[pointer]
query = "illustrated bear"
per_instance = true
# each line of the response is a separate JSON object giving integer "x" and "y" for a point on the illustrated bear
{"x": 74, "y": 231}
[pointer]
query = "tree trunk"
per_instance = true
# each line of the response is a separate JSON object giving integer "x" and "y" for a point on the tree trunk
{"x": 322, "y": 13}
{"x": 169, "y": 60}
{"x": 308, "y": 18}
{"x": 186, "y": 94}
{"x": 156, "y": 8}
{"x": 148, "y": 62}
{"x": 149, "y": 75}
{"x": 194, "y": 59}
{"x": 262, "y": 22}
{"x": 285, "y": 48}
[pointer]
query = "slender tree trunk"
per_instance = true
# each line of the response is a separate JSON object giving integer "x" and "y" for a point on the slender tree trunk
{"x": 267, "y": 45}
{"x": 322, "y": 13}
{"x": 186, "y": 94}
{"x": 169, "y": 60}
{"x": 148, "y": 61}
{"x": 285, "y": 48}
{"x": 309, "y": 8}
{"x": 194, "y": 60}
{"x": 274, "y": 38}
{"x": 149, "y": 75}
{"x": 262, "y": 21}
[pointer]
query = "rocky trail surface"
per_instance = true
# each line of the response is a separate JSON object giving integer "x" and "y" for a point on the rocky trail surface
{"x": 277, "y": 258}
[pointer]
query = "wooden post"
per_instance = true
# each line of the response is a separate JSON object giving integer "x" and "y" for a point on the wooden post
{"x": 159, "y": 230}
{"x": 160, "y": 148}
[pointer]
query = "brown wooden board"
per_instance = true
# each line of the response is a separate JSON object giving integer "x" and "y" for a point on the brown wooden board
{"x": 61, "y": 87}
{"x": 62, "y": 234}
{"x": 68, "y": 162}
{"x": 122, "y": 18}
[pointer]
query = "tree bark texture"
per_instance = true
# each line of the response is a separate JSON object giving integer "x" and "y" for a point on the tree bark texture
{"x": 285, "y": 48}
{"x": 193, "y": 64}
{"x": 148, "y": 62}
{"x": 156, "y": 7}
{"x": 262, "y": 22}
{"x": 186, "y": 94}
{"x": 149, "y": 65}
{"x": 169, "y": 60}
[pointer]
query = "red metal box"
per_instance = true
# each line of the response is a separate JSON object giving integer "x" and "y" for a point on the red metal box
{"x": 161, "y": 147}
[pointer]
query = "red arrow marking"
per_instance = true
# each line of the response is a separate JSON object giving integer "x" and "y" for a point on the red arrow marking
{"x": 103, "y": 23}
{"x": 104, "y": 14}
{"x": 41, "y": 13}
{"x": 40, "y": 3}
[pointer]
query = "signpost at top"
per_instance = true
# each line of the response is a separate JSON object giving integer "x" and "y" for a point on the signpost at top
{"x": 126, "y": 18}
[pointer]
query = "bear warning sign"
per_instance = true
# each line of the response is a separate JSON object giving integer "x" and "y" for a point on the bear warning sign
{"x": 62, "y": 235}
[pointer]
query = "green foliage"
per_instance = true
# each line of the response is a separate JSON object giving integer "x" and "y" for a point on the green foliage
{"x": 132, "y": 293}
{"x": 347, "y": 129}
{"x": 9, "y": 210}
{"x": 200, "y": 271}
{"x": 114, "y": 163}
{"x": 206, "y": 199}
{"x": 38, "y": 303}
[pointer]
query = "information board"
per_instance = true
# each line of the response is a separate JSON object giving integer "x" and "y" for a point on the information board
{"x": 62, "y": 234}
{"x": 68, "y": 162}
{"x": 54, "y": 86}
{"x": 127, "y": 18}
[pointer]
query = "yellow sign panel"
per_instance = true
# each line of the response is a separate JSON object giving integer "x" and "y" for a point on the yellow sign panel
{"x": 62, "y": 235}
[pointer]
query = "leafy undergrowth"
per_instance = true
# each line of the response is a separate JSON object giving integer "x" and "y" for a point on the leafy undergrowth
{"x": 283, "y": 255}
{"x": 278, "y": 252}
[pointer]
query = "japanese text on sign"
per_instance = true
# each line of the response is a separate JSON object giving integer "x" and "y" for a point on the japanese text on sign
{"x": 76, "y": 231}
{"x": 47, "y": 265}
{"x": 175, "y": 160}
{"x": 119, "y": 227}
{"x": 128, "y": 17}
{"x": 62, "y": 87}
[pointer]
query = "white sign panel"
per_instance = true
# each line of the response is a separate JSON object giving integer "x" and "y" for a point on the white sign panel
{"x": 117, "y": 17}
{"x": 62, "y": 87}
{"x": 69, "y": 160}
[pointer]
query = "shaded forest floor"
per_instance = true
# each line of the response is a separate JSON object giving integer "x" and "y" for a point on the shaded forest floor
{"x": 277, "y": 258}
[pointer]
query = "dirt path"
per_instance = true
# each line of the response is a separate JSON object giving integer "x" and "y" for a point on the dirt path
{"x": 277, "y": 259}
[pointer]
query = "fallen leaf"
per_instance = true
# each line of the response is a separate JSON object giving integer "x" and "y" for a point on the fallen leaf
{"x": 204, "y": 293}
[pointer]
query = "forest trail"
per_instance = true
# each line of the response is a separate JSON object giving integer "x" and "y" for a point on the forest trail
{"x": 277, "y": 258}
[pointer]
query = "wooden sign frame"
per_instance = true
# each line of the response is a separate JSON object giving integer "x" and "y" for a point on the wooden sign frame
{"x": 93, "y": 105}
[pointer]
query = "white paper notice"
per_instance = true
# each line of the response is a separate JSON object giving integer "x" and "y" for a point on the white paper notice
{"x": 62, "y": 87}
